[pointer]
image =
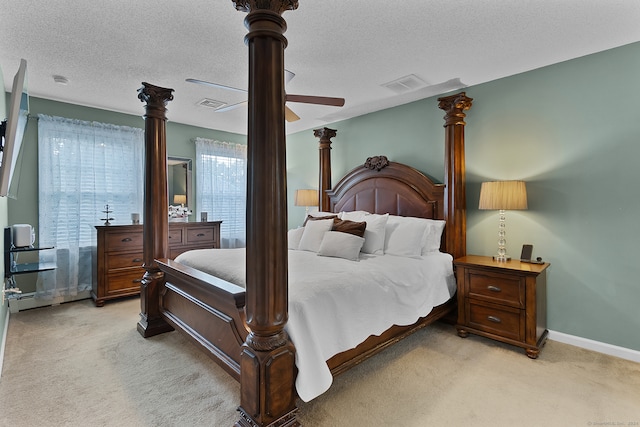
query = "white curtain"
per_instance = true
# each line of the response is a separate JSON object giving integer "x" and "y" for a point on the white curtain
{"x": 221, "y": 187}
{"x": 83, "y": 166}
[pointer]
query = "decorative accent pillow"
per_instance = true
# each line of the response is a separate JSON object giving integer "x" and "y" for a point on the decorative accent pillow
{"x": 318, "y": 216}
{"x": 293, "y": 236}
{"x": 374, "y": 234}
{"x": 341, "y": 245}
{"x": 313, "y": 233}
{"x": 351, "y": 227}
{"x": 404, "y": 236}
{"x": 433, "y": 236}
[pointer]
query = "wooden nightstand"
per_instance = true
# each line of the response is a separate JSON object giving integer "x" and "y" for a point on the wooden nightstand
{"x": 505, "y": 301}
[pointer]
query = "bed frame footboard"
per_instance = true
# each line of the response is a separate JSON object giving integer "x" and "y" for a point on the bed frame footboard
{"x": 210, "y": 311}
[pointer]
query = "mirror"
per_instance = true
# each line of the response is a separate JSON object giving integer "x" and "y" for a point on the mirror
{"x": 179, "y": 181}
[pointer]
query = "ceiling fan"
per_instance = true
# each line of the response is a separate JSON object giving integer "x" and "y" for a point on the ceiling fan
{"x": 289, "y": 115}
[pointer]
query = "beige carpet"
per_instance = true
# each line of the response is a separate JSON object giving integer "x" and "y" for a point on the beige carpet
{"x": 78, "y": 365}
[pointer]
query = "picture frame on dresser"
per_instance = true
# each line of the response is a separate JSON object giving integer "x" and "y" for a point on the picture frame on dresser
{"x": 119, "y": 254}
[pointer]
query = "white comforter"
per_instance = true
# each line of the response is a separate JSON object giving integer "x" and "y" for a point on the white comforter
{"x": 335, "y": 304}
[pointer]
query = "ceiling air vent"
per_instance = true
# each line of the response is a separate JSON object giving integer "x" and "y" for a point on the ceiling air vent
{"x": 211, "y": 103}
{"x": 406, "y": 84}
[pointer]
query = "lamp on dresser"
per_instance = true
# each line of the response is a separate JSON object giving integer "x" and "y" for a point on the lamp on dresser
{"x": 180, "y": 199}
{"x": 503, "y": 196}
{"x": 306, "y": 198}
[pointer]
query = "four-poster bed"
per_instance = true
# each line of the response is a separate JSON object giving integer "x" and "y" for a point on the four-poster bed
{"x": 243, "y": 329}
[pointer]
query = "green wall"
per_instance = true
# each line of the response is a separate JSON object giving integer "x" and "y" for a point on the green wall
{"x": 571, "y": 131}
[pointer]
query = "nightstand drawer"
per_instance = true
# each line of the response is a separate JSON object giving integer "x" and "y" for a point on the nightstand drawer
{"x": 498, "y": 288}
{"x": 504, "y": 321}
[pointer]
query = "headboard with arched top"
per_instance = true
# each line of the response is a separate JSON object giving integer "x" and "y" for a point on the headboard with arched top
{"x": 393, "y": 188}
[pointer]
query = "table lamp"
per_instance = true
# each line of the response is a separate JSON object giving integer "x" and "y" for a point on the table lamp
{"x": 306, "y": 198}
{"x": 502, "y": 196}
{"x": 180, "y": 199}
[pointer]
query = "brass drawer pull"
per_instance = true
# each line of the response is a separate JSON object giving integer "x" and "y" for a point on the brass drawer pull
{"x": 493, "y": 288}
{"x": 126, "y": 239}
{"x": 137, "y": 259}
{"x": 494, "y": 319}
{"x": 201, "y": 235}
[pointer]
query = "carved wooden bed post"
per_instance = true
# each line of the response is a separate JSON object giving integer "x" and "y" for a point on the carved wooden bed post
{"x": 455, "y": 197}
{"x": 267, "y": 361}
{"x": 325, "y": 134}
{"x": 156, "y": 224}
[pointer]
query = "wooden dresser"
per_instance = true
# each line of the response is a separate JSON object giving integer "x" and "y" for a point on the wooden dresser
{"x": 119, "y": 254}
{"x": 505, "y": 301}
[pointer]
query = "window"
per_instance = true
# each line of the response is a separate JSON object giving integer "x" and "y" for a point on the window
{"x": 83, "y": 167}
{"x": 221, "y": 183}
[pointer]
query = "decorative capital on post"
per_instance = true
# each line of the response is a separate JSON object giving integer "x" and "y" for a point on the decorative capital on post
{"x": 156, "y": 98}
{"x": 152, "y": 94}
{"x": 324, "y": 133}
{"x": 454, "y": 106}
{"x": 278, "y": 6}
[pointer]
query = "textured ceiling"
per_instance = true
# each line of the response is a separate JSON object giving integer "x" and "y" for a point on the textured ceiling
{"x": 344, "y": 48}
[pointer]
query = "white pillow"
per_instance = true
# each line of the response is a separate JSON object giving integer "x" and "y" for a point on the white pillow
{"x": 313, "y": 234}
{"x": 404, "y": 236}
{"x": 293, "y": 236}
{"x": 341, "y": 245}
{"x": 357, "y": 216}
{"x": 374, "y": 234}
{"x": 433, "y": 236}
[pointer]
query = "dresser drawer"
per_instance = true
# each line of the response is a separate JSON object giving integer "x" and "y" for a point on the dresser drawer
{"x": 124, "y": 241}
{"x": 200, "y": 235}
{"x": 505, "y": 321}
{"x": 175, "y": 236}
{"x": 124, "y": 260}
{"x": 128, "y": 281}
{"x": 497, "y": 288}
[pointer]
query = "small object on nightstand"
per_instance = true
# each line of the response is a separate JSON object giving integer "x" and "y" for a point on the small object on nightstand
{"x": 505, "y": 301}
{"x": 107, "y": 219}
{"x": 525, "y": 255}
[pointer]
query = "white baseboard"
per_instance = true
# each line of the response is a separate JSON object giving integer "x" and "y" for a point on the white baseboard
{"x": 29, "y": 301}
{"x": 4, "y": 340}
{"x": 600, "y": 347}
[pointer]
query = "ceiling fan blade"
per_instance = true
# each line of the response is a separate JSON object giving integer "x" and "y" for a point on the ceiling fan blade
{"x": 219, "y": 86}
{"x": 321, "y": 100}
{"x": 230, "y": 107}
{"x": 289, "y": 115}
{"x": 288, "y": 75}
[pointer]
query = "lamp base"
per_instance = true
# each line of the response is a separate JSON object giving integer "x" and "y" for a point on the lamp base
{"x": 501, "y": 258}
